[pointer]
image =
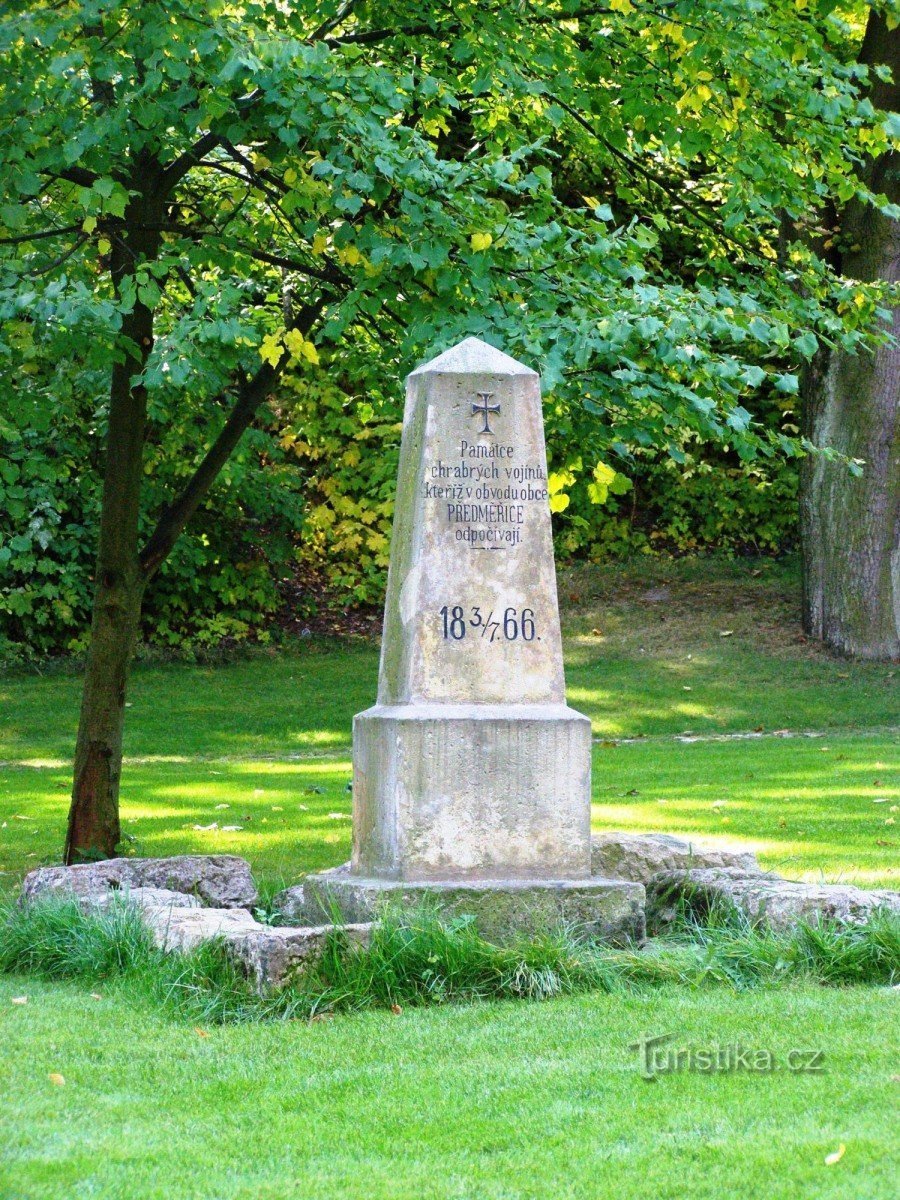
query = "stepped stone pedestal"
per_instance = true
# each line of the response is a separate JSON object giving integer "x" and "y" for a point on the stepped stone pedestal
{"x": 471, "y": 780}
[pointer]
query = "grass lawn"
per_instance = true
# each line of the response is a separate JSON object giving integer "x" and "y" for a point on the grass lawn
{"x": 493, "y": 1100}
{"x": 269, "y": 736}
{"x": 704, "y": 699}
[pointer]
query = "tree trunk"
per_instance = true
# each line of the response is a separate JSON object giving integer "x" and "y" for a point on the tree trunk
{"x": 850, "y": 524}
{"x": 93, "y": 829}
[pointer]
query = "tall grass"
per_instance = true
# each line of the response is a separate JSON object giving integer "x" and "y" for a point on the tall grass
{"x": 420, "y": 958}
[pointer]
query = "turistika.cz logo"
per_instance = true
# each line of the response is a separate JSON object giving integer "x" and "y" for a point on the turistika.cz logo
{"x": 658, "y": 1055}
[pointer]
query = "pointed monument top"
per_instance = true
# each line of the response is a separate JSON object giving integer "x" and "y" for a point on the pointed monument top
{"x": 472, "y": 356}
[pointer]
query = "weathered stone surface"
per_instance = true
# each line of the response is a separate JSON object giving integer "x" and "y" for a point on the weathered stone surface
{"x": 611, "y": 909}
{"x": 765, "y": 899}
{"x": 186, "y": 928}
{"x": 140, "y": 897}
{"x": 472, "y": 530}
{"x": 471, "y": 766}
{"x": 269, "y": 955}
{"x": 640, "y": 856}
{"x": 471, "y": 791}
{"x": 272, "y": 955}
{"x": 291, "y": 904}
{"x": 221, "y": 880}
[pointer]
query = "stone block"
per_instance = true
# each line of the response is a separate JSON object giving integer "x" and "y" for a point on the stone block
{"x": 140, "y": 897}
{"x": 640, "y": 856}
{"x": 611, "y": 910}
{"x": 272, "y": 955}
{"x": 187, "y": 928}
{"x": 764, "y": 899}
{"x": 220, "y": 880}
{"x": 471, "y": 791}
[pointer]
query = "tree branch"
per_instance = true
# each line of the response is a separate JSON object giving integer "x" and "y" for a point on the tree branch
{"x": 43, "y": 233}
{"x": 79, "y": 175}
{"x": 251, "y": 394}
{"x": 180, "y": 166}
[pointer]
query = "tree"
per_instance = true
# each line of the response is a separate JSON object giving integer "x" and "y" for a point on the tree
{"x": 851, "y": 520}
{"x": 207, "y": 200}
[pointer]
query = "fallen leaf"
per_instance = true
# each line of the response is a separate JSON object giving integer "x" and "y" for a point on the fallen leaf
{"x": 726, "y": 633}
{"x": 890, "y": 821}
{"x": 277, "y": 808}
{"x": 685, "y": 688}
{"x": 20, "y": 999}
{"x": 836, "y": 1156}
{"x": 56, "y": 1079}
{"x": 200, "y": 1032}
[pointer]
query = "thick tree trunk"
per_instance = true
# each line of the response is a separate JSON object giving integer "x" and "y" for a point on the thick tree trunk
{"x": 850, "y": 524}
{"x": 93, "y": 829}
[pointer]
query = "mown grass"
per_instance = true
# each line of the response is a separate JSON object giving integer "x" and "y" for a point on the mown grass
{"x": 168, "y": 1093}
{"x": 493, "y": 1100}
{"x": 268, "y": 736}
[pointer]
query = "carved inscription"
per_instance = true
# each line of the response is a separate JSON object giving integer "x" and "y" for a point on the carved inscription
{"x": 485, "y": 492}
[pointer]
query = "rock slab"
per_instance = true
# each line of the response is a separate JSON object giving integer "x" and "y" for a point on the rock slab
{"x": 764, "y": 899}
{"x": 640, "y": 856}
{"x": 610, "y": 910}
{"x": 219, "y": 880}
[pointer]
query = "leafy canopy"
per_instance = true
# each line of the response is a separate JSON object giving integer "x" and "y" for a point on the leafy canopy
{"x": 626, "y": 194}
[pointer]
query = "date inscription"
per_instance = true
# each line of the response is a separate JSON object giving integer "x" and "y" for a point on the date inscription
{"x": 510, "y": 625}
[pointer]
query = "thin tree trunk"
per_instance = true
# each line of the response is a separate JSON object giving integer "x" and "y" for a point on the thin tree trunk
{"x": 850, "y": 524}
{"x": 93, "y": 828}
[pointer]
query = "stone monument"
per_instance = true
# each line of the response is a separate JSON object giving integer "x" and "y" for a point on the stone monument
{"x": 471, "y": 776}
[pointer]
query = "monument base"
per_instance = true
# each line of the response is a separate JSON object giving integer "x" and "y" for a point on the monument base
{"x": 610, "y": 910}
{"x": 471, "y": 791}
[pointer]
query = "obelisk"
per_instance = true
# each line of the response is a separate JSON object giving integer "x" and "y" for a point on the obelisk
{"x": 471, "y": 776}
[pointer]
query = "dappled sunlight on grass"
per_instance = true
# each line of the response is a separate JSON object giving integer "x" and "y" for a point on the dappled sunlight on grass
{"x": 272, "y": 731}
{"x": 808, "y": 813}
{"x": 803, "y": 810}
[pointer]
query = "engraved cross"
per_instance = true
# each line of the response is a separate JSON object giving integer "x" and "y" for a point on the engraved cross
{"x": 485, "y": 409}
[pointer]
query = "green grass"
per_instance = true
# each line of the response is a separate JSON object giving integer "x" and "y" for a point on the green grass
{"x": 494, "y": 1100}
{"x": 269, "y": 735}
{"x": 419, "y": 958}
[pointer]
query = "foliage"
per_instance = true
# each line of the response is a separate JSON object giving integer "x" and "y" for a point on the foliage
{"x": 649, "y": 239}
{"x": 348, "y": 449}
{"x": 220, "y": 581}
